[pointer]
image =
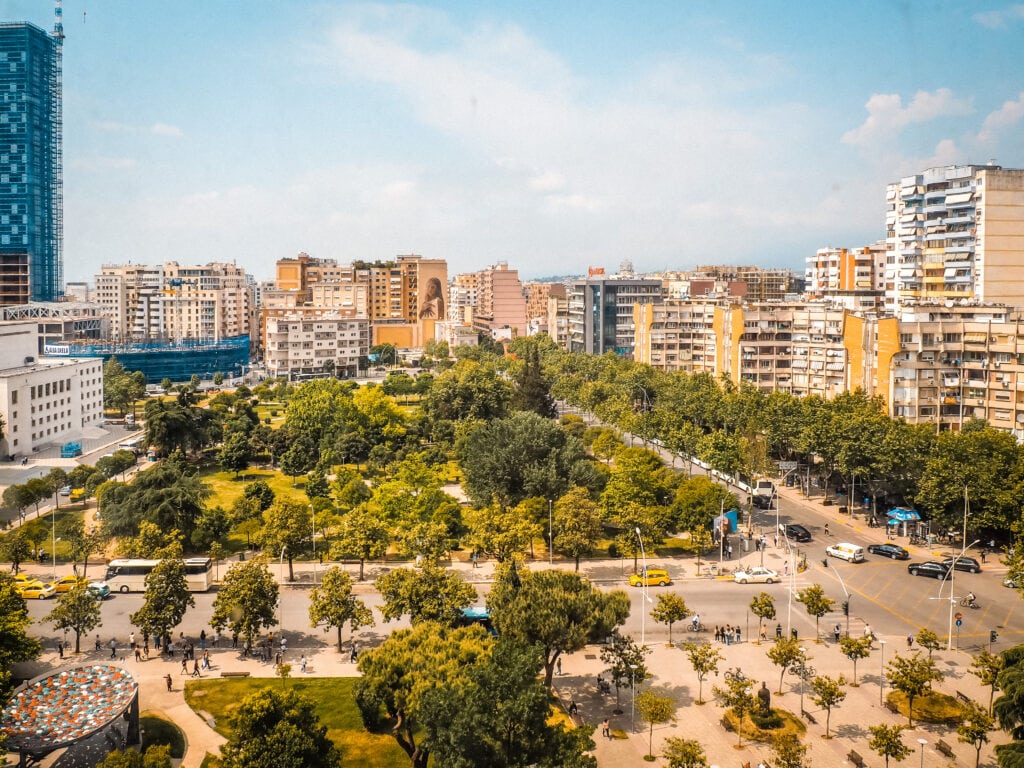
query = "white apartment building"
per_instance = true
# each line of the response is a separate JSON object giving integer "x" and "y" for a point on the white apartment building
{"x": 297, "y": 344}
{"x": 44, "y": 401}
{"x": 174, "y": 302}
{"x": 601, "y": 311}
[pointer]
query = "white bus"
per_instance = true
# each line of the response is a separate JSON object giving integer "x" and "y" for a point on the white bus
{"x": 127, "y": 575}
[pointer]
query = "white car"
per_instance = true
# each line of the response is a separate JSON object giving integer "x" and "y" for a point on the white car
{"x": 756, "y": 575}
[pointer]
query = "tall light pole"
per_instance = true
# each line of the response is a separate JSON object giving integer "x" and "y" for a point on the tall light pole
{"x": 923, "y": 743}
{"x": 643, "y": 591}
{"x": 280, "y": 597}
{"x": 312, "y": 513}
{"x": 881, "y": 672}
{"x": 551, "y": 537}
{"x": 53, "y": 542}
{"x": 632, "y": 697}
{"x": 952, "y": 595}
{"x": 845, "y": 592}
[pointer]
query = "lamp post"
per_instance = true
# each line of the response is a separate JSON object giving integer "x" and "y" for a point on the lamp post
{"x": 312, "y": 513}
{"x": 952, "y": 595}
{"x": 280, "y": 600}
{"x": 551, "y": 537}
{"x": 53, "y": 542}
{"x": 632, "y": 697}
{"x": 881, "y": 672}
{"x": 643, "y": 591}
{"x": 923, "y": 743}
{"x": 845, "y": 592}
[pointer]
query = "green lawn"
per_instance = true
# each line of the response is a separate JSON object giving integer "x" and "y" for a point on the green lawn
{"x": 227, "y": 489}
{"x": 334, "y": 705}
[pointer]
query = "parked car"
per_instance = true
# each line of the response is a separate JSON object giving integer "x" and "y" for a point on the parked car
{"x": 892, "y": 551}
{"x": 795, "y": 532}
{"x": 35, "y": 590}
{"x": 98, "y": 589}
{"x": 756, "y": 575}
{"x": 65, "y": 491}
{"x": 968, "y": 564}
{"x": 1011, "y": 582}
{"x": 67, "y": 583}
{"x": 930, "y": 568}
{"x": 650, "y": 576}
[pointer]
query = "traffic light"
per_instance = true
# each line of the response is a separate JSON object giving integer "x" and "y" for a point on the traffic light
{"x": 993, "y": 636}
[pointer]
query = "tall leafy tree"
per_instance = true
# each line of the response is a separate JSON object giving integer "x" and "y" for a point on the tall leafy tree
{"x": 827, "y": 693}
{"x": 554, "y": 609}
{"x": 15, "y": 548}
{"x": 855, "y": 649}
{"x": 577, "y": 524}
{"x": 361, "y": 535}
{"x": 16, "y": 644}
{"x": 684, "y": 753}
{"x": 78, "y": 611}
{"x": 784, "y": 653}
{"x": 426, "y": 593}
{"x": 469, "y": 390}
{"x": 887, "y": 741}
{"x": 704, "y": 659}
{"x": 975, "y": 728}
{"x": 669, "y": 609}
{"x": 654, "y": 708}
{"x": 236, "y": 453}
{"x": 501, "y": 532}
{"x": 246, "y": 602}
{"x": 912, "y": 676}
{"x": 532, "y": 392}
{"x": 287, "y": 527}
{"x": 167, "y": 597}
{"x": 333, "y": 604}
{"x": 817, "y": 604}
{"x": 626, "y": 662}
{"x": 273, "y": 729}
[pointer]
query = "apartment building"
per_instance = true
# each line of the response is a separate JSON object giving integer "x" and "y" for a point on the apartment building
{"x": 854, "y": 277}
{"x": 558, "y": 315}
{"x": 955, "y": 232}
{"x": 44, "y": 401}
{"x": 680, "y": 334}
{"x": 501, "y": 303}
{"x": 601, "y": 311}
{"x": 174, "y": 302}
{"x": 299, "y": 344}
{"x": 462, "y": 298}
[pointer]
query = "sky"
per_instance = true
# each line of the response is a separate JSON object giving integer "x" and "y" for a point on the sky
{"x": 554, "y": 136}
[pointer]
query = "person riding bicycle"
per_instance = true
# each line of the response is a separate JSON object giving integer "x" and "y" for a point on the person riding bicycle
{"x": 695, "y": 621}
{"x": 970, "y": 599}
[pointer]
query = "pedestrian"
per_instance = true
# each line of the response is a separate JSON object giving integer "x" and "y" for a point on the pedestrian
{"x": 910, "y": 641}
{"x": 606, "y": 728}
{"x": 206, "y": 659}
{"x": 195, "y": 668}
{"x": 776, "y": 541}
{"x": 764, "y": 631}
{"x": 826, "y": 529}
{"x": 113, "y": 648}
{"x": 355, "y": 653}
{"x": 184, "y": 665}
{"x": 836, "y": 632}
{"x": 984, "y": 555}
{"x": 302, "y": 662}
{"x": 277, "y": 659}
{"x": 473, "y": 557}
{"x": 778, "y": 631}
{"x": 138, "y": 654}
{"x": 98, "y": 644}
{"x": 60, "y": 649}
{"x": 131, "y": 640}
{"x": 558, "y": 666}
{"x": 202, "y": 639}
{"x": 167, "y": 679}
{"x": 728, "y": 551}
{"x": 145, "y": 646}
{"x": 728, "y": 635}
{"x": 573, "y": 709}
{"x": 234, "y": 639}
{"x": 739, "y": 637}
{"x": 757, "y": 545}
{"x": 785, "y": 568}
{"x": 718, "y": 634}
{"x": 868, "y": 633}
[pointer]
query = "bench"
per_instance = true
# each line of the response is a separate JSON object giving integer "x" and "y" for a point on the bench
{"x": 892, "y": 707}
{"x": 856, "y": 759}
{"x": 234, "y": 674}
{"x": 963, "y": 698}
{"x": 945, "y": 749}
{"x": 809, "y": 717}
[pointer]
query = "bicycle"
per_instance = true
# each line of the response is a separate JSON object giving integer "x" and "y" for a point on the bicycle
{"x": 968, "y": 603}
{"x": 698, "y": 627}
{"x": 735, "y": 674}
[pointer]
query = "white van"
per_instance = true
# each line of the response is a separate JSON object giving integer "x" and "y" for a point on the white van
{"x": 854, "y": 553}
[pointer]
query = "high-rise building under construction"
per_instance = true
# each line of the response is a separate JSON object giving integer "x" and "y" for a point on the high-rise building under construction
{"x": 31, "y": 195}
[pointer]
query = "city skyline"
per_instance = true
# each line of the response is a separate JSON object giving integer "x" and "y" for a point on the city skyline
{"x": 550, "y": 136}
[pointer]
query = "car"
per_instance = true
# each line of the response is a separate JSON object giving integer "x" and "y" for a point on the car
{"x": 22, "y": 578}
{"x": 36, "y": 590}
{"x": 892, "y": 551}
{"x": 98, "y": 589}
{"x": 756, "y": 575}
{"x": 67, "y": 583}
{"x": 65, "y": 491}
{"x": 762, "y": 502}
{"x": 650, "y": 576}
{"x": 968, "y": 564}
{"x": 1012, "y": 582}
{"x": 929, "y": 568}
{"x": 795, "y": 532}
{"x": 853, "y": 553}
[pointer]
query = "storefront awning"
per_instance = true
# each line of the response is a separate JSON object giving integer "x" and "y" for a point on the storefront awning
{"x": 904, "y": 515}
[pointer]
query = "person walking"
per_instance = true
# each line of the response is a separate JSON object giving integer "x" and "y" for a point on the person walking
{"x": 98, "y": 643}
{"x": 168, "y": 680}
{"x": 355, "y": 654}
{"x": 558, "y": 666}
{"x": 195, "y": 668}
{"x": 302, "y": 663}
{"x": 836, "y": 631}
{"x": 778, "y": 631}
{"x": 764, "y": 631}
{"x": 826, "y": 530}
{"x": 145, "y": 646}
{"x": 202, "y": 640}
{"x": 206, "y": 659}
{"x": 113, "y": 648}
{"x": 138, "y": 654}
{"x": 131, "y": 640}
{"x": 184, "y": 664}
{"x": 606, "y": 728}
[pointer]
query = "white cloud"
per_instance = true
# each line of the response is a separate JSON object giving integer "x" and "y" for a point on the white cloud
{"x": 1007, "y": 116}
{"x": 162, "y": 129}
{"x": 1001, "y": 19}
{"x": 887, "y": 116}
{"x": 103, "y": 163}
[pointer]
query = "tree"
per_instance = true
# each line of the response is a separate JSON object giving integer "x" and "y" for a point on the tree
{"x": 669, "y": 609}
{"x": 425, "y": 593}
{"x": 247, "y": 599}
{"x": 500, "y": 532}
{"x": 317, "y": 486}
{"x": 15, "y": 548}
{"x": 78, "y": 611}
{"x": 532, "y": 392}
{"x": 1009, "y": 706}
{"x": 790, "y": 752}
{"x": 684, "y": 753}
{"x": 333, "y": 604}
{"x": 625, "y": 660}
{"x": 155, "y": 756}
{"x": 15, "y": 642}
{"x": 704, "y": 659}
{"x": 929, "y": 641}
{"x": 398, "y": 675}
{"x": 736, "y": 695}
{"x": 912, "y": 675}
{"x": 236, "y": 453}
{"x": 167, "y": 597}
{"x": 287, "y": 527}
{"x": 784, "y": 654}
{"x": 261, "y": 492}
{"x": 828, "y": 693}
{"x": 361, "y": 536}
{"x": 557, "y": 610}
{"x": 577, "y": 523}
{"x": 887, "y": 741}
{"x": 763, "y": 606}
{"x": 986, "y": 667}
{"x": 272, "y": 729}
{"x": 974, "y": 729}
{"x": 816, "y": 603}
{"x": 654, "y": 708}
{"x": 855, "y": 648}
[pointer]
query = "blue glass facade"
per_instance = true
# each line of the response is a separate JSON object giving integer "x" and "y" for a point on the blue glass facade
{"x": 30, "y": 156}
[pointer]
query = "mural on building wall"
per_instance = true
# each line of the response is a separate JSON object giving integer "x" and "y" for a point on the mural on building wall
{"x": 433, "y": 279}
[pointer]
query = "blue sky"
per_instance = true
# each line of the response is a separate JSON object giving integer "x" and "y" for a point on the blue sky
{"x": 551, "y": 135}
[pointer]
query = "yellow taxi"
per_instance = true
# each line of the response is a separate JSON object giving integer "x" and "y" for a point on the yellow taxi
{"x": 22, "y": 578}
{"x": 35, "y": 590}
{"x": 67, "y": 583}
{"x": 650, "y": 577}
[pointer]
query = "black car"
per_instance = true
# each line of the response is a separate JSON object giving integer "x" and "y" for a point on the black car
{"x": 763, "y": 502}
{"x": 892, "y": 551}
{"x": 968, "y": 564}
{"x": 930, "y": 568}
{"x": 795, "y": 532}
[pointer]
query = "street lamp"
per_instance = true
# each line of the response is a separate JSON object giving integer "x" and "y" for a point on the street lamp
{"x": 312, "y": 512}
{"x": 952, "y": 596}
{"x": 643, "y": 591}
{"x": 551, "y": 537}
{"x": 845, "y": 592}
{"x": 801, "y": 670}
{"x": 881, "y": 672}
{"x": 53, "y": 544}
{"x": 280, "y": 597}
{"x": 632, "y": 697}
{"x": 923, "y": 743}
